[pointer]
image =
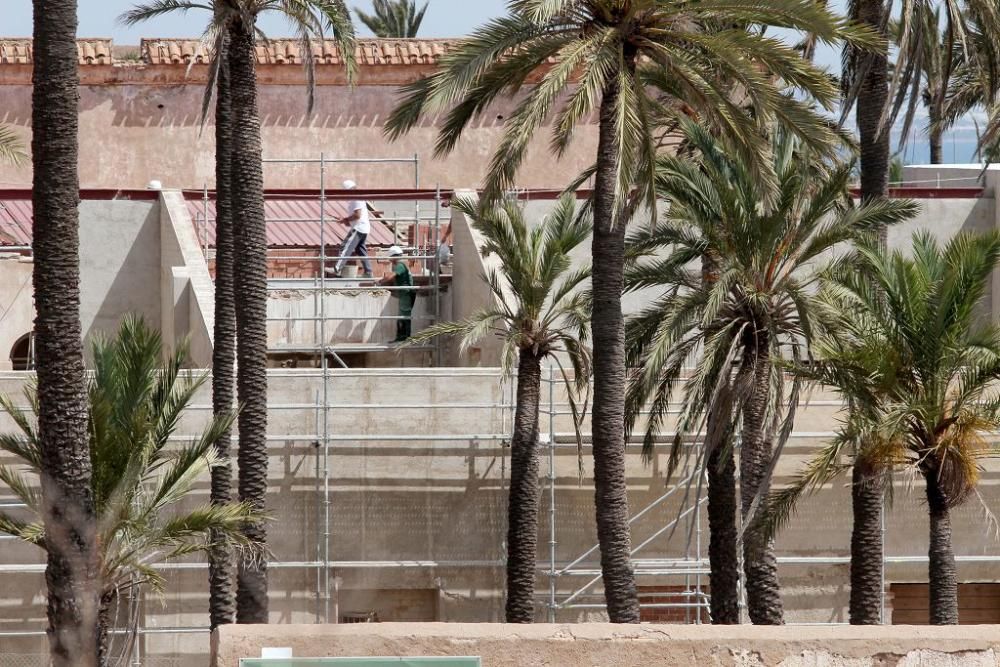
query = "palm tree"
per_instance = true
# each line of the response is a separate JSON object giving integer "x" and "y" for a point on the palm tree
{"x": 938, "y": 65}
{"x": 540, "y": 313}
{"x": 736, "y": 326}
{"x": 918, "y": 369}
{"x": 233, "y": 32}
{"x": 597, "y": 46}
{"x": 222, "y": 601}
{"x": 923, "y": 54}
{"x": 394, "y": 18}
{"x": 139, "y": 478}
{"x": 68, "y": 504}
{"x": 866, "y": 82}
{"x": 974, "y": 84}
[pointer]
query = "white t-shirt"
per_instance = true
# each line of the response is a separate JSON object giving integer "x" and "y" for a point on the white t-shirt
{"x": 362, "y": 224}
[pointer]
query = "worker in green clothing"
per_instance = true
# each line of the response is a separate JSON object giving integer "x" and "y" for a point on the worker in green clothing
{"x": 400, "y": 277}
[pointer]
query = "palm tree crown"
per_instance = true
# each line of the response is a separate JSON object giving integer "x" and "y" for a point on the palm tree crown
{"x": 393, "y": 18}
{"x": 537, "y": 302}
{"x": 599, "y": 44}
{"x": 765, "y": 260}
{"x": 11, "y": 148}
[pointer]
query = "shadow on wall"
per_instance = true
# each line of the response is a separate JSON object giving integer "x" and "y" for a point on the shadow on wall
{"x": 119, "y": 263}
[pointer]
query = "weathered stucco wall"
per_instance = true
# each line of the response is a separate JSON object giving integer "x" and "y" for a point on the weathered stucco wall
{"x": 605, "y": 645}
{"x": 146, "y": 127}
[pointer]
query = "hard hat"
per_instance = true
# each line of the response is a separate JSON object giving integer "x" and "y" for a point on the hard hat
{"x": 395, "y": 251}
{"x": 349, "y": 184}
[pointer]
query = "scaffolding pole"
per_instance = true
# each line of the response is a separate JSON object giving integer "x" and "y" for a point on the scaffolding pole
{"x": 552, "y": 499}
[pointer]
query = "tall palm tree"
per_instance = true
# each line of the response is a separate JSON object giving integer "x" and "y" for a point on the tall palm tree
{"x": 866, "y": 82}
{"x": 738, "y": 325}
{"x": 68, "y": 504}
{"x": 222, "y": 601}
{"x": 540, "y": 313}
{"x": 394, "y": 18}
{"x": 919, "y": 370}
{"x": 974, "y": 84}
{"x": 233, "y": 32}
{"x": 598, "y": 46}
{"x": 939, "y": 63}
{"x": 138, "y": 481}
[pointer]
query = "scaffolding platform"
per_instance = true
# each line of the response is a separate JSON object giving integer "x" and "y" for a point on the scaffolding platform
{"x": 336, "y": 350}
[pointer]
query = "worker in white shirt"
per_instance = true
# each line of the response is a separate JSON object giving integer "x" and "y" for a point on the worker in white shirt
{"x": 357, "y": 218}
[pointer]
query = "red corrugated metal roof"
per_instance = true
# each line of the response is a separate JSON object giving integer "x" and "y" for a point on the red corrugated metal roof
{"x": 290, "y": 223}
{"x": 294, "y": 223}
{"x": 15, "y": 222}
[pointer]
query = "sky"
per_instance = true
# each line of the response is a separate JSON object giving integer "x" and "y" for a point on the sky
{"x": 444, "y": 18}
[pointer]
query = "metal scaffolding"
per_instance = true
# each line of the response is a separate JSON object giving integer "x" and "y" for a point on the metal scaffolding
{"x": 573, "y": 579}
{"x": 423, "y": 251}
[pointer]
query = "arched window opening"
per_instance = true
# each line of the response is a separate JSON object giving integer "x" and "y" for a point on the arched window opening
{"x": 22, "y": 355}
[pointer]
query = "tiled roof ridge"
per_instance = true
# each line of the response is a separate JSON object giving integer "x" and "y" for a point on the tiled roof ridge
{"x": 370, "y": 51}
{"x": 287, "y": 51}
{"x": 90, "y": 50}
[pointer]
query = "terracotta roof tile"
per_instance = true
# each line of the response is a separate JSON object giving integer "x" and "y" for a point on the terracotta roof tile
{"x": 369, "y": 52}
{"x": 15, "y": 51}
{"x": 90, "y": 51}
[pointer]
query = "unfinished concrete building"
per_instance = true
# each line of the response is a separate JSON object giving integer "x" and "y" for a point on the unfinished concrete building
{"x": 389, "y": 469}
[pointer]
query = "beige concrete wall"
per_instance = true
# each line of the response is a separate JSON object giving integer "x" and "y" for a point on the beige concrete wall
{"x": 417, "y": 493}
{"x": 605, "y": 645}
{"x": 119, "y": 272}
{"x": 119, "y": 263}
{"x": 292, "y": 311}
{"x": 137, "y": 129}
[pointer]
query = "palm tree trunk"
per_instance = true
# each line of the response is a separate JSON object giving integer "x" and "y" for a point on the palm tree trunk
{"x": 222, "y": 602}
{"x": 68, "y": 508}
{"x": 866, "y": 545}
{"x": 522, "y": 503}
{"x": 942, "y": 574}
{"x": 873, "y": 96}
{"x": 608, "y": 422}
{"x": 104, "y": 628}
{"x": 759, "y": 563}
{"x": 722, "y": 554}
{"x": 937, "y": 144}
{"x": 250, "y": 275}
{"x": 722, "y": 545}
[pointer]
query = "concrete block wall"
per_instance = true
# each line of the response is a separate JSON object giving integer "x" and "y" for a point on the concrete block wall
{"x": 417, "y": 513}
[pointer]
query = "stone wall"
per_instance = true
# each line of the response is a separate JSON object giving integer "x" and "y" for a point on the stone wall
{"x": 603, "y": 645}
